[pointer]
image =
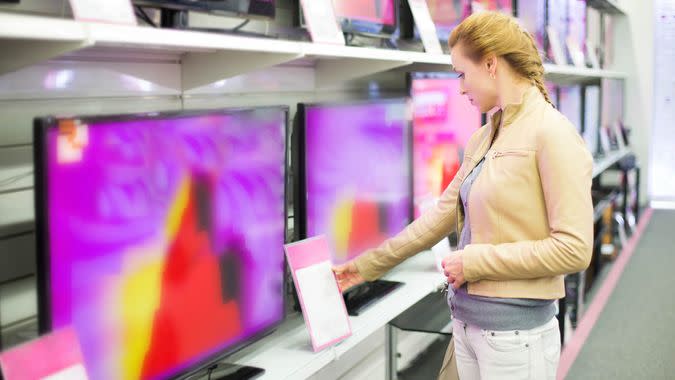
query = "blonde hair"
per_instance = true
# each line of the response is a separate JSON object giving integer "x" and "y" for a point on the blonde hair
{"x": 485, "y": 33}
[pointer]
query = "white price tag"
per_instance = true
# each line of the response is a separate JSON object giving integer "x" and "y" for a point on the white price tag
{"x": 110, "y": 11}
{"x": 425, "y": 26}
{"x": 321, "y": 21}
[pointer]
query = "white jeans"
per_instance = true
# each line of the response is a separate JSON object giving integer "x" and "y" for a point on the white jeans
{"x": 504, "y": 355}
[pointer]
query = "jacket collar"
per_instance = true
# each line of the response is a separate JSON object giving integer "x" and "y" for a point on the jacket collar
{"x": 513, "y": 109}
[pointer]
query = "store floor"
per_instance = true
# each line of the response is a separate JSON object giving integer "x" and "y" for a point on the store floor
{"x": 634, "y": 336}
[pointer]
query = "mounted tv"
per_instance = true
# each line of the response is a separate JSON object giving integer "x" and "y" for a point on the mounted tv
{"x": 532, "y": 16}
{"x": 443, "y": 122}
{"x": 160, "y": 236}
{"x": 246, "y": 8}
{"x": 569, "y": 104}
{"x": 353, "y": 180}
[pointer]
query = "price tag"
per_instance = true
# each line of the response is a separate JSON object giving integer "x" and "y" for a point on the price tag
{"x": 321, "y": 21}
{"x": 108, "y": 11}
{"x": 425, "y": 26}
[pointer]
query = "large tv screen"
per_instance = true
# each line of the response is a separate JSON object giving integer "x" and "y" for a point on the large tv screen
{"x": 161, "y": 236}
{"x": 355, "y": 185}
{"x": 443, "y": 122}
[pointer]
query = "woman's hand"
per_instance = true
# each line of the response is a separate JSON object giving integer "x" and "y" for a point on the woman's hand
{"x": 347, "y": 275}
{"x": 453, "y": 268}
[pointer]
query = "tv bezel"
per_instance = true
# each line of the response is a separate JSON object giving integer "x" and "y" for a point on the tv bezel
{"x": 299, "y": 159}
{"x": 41, "y": 127}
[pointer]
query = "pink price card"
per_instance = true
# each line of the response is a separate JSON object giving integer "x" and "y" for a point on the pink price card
{"x": 323, "y": 307}
{"x": 55, "y": 356}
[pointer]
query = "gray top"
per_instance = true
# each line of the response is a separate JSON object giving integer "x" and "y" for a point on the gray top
{"x": 491, "y": 313}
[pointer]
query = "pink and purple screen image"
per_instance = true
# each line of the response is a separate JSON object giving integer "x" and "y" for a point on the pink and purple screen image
{"x": 577, "y": 21}
{"x": 357, "y": 170}
{"x": 165, "y": 236}
{"x": 376, "y": 11}
{"x": 569, "y": 104}
{"x": 532, "y": 15}
{"x": 447, "y": 14}
{"x": 505, "y": 6}
{"x": 443, "y": 122}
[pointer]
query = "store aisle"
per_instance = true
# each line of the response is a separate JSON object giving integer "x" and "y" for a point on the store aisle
{"x": 634, "y": 336}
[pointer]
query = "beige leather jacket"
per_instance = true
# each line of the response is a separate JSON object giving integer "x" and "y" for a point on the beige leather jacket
{"x": 531, "y": 209}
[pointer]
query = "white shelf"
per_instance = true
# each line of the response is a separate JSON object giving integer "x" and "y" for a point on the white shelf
{"x": 573, "y": 74}
{"x": 287, "y": 353}
{"x": 205, "y": 57}
{"x": 604, "y": 163}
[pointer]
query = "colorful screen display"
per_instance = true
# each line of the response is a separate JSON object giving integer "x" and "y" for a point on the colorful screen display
{"x": 443, "y": 122}
{"x": 357, "y": 173}
{"x": 165, "y": 236}
{"x": 505, "y": 6}
{"x": 375, "y": 11}
{"x": 447, "y": 14}
{"x": 532, "y": 15}
{"x": 569, "y": 104}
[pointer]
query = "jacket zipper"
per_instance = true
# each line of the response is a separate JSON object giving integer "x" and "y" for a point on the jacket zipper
{"x": 509, "y": 153}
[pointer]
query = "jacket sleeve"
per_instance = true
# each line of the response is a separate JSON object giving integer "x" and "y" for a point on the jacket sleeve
{"x": 565, "y": 169}
{"x": 420, "y": 235}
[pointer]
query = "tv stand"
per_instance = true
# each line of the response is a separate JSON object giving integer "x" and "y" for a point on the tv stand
{"x": 228, "y": 371}
{"x": 361, "y": 296}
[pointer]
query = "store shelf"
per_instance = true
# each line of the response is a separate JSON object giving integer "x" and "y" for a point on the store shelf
{"x": 607, "y": 6}
{"x": 572, "y": 74}
{"x": 605, "y": 163}
{"x": 205, "y": 57}
{"x": 26, "y": 40}
{"x": 287, "y": 353}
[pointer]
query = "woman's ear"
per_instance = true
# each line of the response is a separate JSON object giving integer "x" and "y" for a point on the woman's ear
{"x": 490, "y": 64}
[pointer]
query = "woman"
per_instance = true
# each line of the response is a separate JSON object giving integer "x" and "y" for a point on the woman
{"x": 521, "y": 204}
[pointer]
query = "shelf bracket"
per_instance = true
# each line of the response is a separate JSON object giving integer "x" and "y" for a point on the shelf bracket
{"x": 200, "y": 69}
{"x": 334, "y": 71}
{"x": 20, "y": 53}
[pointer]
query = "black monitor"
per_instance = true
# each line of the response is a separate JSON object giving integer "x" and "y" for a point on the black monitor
{"x": 160, "y": 236}
{"x": 353, "y": 177}
{"x": 246, "y": 8}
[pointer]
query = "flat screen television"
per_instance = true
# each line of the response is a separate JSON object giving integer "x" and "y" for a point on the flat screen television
{"x": 443, "y": 122}
{"x": 247, "y": 8}
{"x": 532, "y": 16}
{"x": 352, "y": 175}
{"x": 591, "y": 117}
{"x": 505, "y": 6}
{"x": 569, "y": 104}
{"x": 160, "y": 236}
{"x": 558, "y": 19}
{"x": 367, "y": 17}
{"x": 446, "y": 15}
